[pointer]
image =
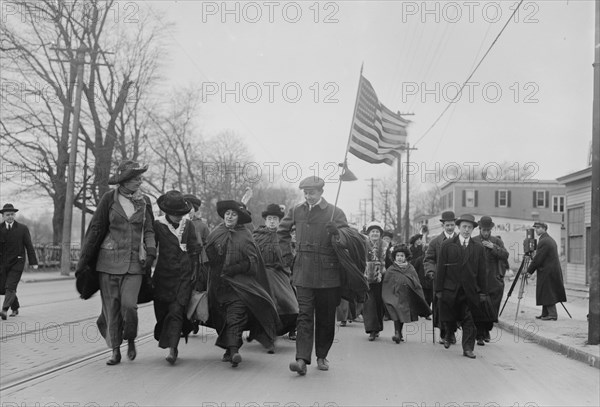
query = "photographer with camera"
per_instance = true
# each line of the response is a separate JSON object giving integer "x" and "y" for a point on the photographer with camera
{"x": 550, "y": 288}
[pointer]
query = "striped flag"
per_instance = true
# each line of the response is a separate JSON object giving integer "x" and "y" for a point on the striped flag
{"x": 378, "y": 134}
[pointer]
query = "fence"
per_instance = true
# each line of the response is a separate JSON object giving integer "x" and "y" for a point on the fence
{"x": 49, "y": 255}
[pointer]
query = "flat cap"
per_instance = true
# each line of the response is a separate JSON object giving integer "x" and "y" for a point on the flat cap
{"x": 312, "y": 183}
{"x": 542, "y": 224}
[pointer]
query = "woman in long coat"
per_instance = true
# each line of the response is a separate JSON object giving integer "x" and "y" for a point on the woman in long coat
{"x": 402, "y": 293}
{"x": 373, "y": 309}
{"x": 175, "y": 271}
{"x": 278, "y": 275}
{"x": 237, "y": 286}
{"x": 120, "y": 245}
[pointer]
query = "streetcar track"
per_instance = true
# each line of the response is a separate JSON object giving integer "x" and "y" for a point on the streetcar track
{"x": 50, "y": 325}
{"x": 141, "y": 340}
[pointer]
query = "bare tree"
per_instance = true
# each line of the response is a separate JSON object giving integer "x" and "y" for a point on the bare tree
{"x": 38, "y": 69}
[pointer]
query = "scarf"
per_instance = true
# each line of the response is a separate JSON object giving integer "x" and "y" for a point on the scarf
{"x": 136, "y": 197}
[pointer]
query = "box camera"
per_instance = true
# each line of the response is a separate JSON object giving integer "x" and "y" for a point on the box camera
{"x": 529, "y": 244}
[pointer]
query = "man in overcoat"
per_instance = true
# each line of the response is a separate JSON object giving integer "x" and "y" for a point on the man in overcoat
{"x": 550, "y": 288}
{"x": 495, "y": 257}
{"x": 316, "y": 271}
{"x": 460, "y": 283}
{"x": 430, "y": 266}
{"x": 15, "y": 240}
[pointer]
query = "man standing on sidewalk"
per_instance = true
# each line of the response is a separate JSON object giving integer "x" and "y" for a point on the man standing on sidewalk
{"x": 550, "y": 288}
{"x": 460, "y": 283}
{"x": 316, "y": 271}
{"x": 14, "y": 240}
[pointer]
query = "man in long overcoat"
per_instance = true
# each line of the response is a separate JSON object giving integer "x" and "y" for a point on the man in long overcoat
{"x": 316, "y": 271}
{"x": 15, "y": 240}
{"x": 460, "y": 283}
{"x": 550, "y": 288}
{"x": 495, "y": 257}
{"x": 430, "y": 265}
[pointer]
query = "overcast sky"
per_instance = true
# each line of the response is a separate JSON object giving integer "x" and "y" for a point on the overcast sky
{"x": 529, "y": 103}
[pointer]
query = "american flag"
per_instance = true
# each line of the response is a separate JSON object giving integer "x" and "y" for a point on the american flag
{"x": 378, "y": 134}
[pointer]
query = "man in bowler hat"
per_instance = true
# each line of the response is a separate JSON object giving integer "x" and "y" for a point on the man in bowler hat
{"x": 460, "y": 283}
{"x": 496, "y": 256}
{"x": 15, "y": 240}
{"x": 316, "y": 271}
{"x": 550, "y": 288}
{"x": 430, "y": 265}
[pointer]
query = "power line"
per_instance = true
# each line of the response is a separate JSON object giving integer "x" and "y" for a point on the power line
{"x": 472, "y": 73}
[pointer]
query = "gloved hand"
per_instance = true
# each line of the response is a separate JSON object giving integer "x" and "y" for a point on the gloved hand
{"x": 429, "y": 275}
{"x": 237, "y": 268}
{"x": 148, "y": 264}
{"x": 332, "y": 229}
{"x": 438, "y": 295}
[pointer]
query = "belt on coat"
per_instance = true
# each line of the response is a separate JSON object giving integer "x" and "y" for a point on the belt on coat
{"x": 315, "y": 248}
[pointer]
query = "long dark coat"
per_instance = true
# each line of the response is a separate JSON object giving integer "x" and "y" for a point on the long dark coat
{"x": 495, "y": 259}
{"x": 403, "y": 295}
{"x": 430, "y": 268}
{"x": 550, "y": 288}
{"x": 460, "y": 269}
{"x": 13, "y": 245}
{"x": 374, "y": 309}
{"x": 316, "y": 264}
{"x": 230, "y": 246}
{"x": 279, "y": 277}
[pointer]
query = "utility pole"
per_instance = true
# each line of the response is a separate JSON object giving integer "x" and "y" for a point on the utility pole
{"x": 406, "y": 213}
{"x": 373, "y": 198}
{"x": 363, "y": 210}
{"x": 65, "y": 259}
{"x": 399, "y": 196}
{"x": 386, "y": 209}
{"x": 594, "y": 304}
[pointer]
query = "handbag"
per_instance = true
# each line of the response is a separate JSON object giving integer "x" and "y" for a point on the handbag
{"x": 87, "y": 282}
{"x": 146, "y": 293}
{"x": 198, "y": 306}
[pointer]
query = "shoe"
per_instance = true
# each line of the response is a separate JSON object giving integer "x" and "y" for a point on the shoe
{"x": 131, "y": 352}
{"x": 226, "y": 357}
{"x": 453, "y": 339}
{"x": 397, "y": 338}
{"x": 548, "y": 318}
{"x": 486, "y": 337}
{"x": 447, "y": 342}
{"x": 14, "y": 313}
{"x": 115, "y": 359}
{"x": 322, "y": 364}
{"x": 343, "y": 323}
{"x": 539, "y": 316}
{"x": 480, "y": 342}
{"x": 249, "y": 338}
{"x": 349, "y": 321}
{"x": 372, "y": 336}
{"x": 292, "y": 336}
{"x": 196, "y": 328}
{"x": 441, "y": 341}
{"x": 3, "y": 315}
{"x": 236, "y": 359}
{"x": 172, "y": 356}
{"x": 299, "y": 366}
{"x": 469, "y": 354}
{"x": 271, "y": 349}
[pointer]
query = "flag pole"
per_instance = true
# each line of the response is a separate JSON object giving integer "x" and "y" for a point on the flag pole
{"x": 345, "y": 166}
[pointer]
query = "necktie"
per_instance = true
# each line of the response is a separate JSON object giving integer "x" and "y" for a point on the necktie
{"x": 9, "y": 226}
{"x": 465, "y": 245}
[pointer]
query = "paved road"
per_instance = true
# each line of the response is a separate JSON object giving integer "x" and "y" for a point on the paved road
{"x": 415, "y": 373}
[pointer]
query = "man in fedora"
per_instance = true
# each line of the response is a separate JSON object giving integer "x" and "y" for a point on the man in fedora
{"x": 495, "y": 257}
{"x": 316, "y": 271}
{"x": 460, "y": 283}
{"x": 15, "y": 240}
{"x": 430, "y": 265}
{"x": 550, "y": 288}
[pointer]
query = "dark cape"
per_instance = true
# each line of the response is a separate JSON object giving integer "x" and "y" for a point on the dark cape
{"x": 351, "y": 251}
{"x": 231, "y": 246}
{"x": 279, "y": 278}
{"x": 403, "y": 295}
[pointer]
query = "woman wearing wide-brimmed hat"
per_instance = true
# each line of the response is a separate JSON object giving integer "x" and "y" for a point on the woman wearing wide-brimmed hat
{"x": 237, "y": 287}
{"x": 402, "y": 293}
{"x": 175, "y": 271}
{"x": 278, "y": 274}
{"x": 119, "y": 244}
{"x": 373, "y": 309}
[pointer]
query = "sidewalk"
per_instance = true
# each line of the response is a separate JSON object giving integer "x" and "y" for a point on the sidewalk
{"x": 566, "y": 335}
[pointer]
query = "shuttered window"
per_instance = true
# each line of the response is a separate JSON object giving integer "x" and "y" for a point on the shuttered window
{"x": 575, "y": 235}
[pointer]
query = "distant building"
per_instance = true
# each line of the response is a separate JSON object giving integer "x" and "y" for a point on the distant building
{"x": 513, "y": 205}
{"x": 578, "y": 225}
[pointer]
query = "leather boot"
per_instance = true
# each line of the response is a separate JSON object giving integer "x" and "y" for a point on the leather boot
{"x": 172, "y": 356}
{"x": 115, "y": 359}
{"x": 131, "y": 352}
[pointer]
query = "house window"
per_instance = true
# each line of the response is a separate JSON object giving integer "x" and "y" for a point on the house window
{"x": 469, "y": 198}
{"x": 450, "y": 199}
{"x": 575, "y": 235}
{"x": 558, "y": 204}
{"x": 540, "y": 199}
{"x": 503, "y": 198}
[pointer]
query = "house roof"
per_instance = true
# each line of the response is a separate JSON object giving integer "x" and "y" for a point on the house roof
{"x": 576, "y": 176}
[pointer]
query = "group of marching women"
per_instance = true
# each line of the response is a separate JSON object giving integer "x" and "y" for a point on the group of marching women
{"x": 127, "y": 252}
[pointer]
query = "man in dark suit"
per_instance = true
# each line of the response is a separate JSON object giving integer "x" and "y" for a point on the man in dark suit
{"x": 430, "y": 265}
{"x": 14, "y": 241}
{"x": 460, "y": 283}
{"x": 550, "y": 288}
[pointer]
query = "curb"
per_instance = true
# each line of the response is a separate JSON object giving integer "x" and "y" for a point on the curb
{"x": 46, "y": 279}
{"x": 552, "y": 344}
